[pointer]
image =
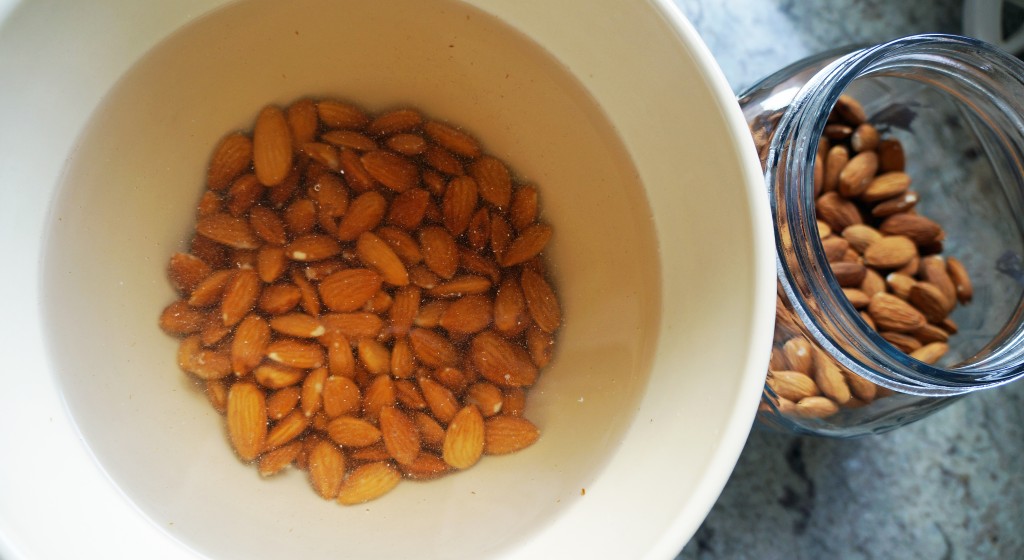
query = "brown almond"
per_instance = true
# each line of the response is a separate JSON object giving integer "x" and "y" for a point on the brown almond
{"x": 287, "y": 429}
{"x": 815, "y": 407}
{"x": 502, "y": 362}
{"x": 404, "y": 309}
{"x": 509, "y": 307}
{"x": 919, "y": 229}
{"x": 380, "y": 393}
{"x": 302, "y": 120}
{"x": 401, "y": 438}
{"x": 464, "y": 438}
{"x": 836, "y": 211}
{"x": 931, "y": 333}
{"x": 402, "y": 244}
{"x": 508, "y": 434}
{"x": 374, "y": 356}
{"x": 279, "y": 298}
{"x": 296, "y": 353}
{"x": 931, "y": 352}
{"x": 857, "y": 298}
{"x": 299, "y": 325}
{"x": 452, "y": 139}
{"x": 393, "y": 122}
{"x": 895, "y": 205}
{"x": 403, "y": 363}
{"x": 314, "y": 247}
{"x": 440, "y": 253}
{"x": 228, "y": 230}
{"x": 933, "y": 269}
{"x": 247, "y": 419}
{"x": 282, "y": 402}
{"x": 829, "y": 378}
{"x": 961, "y": 280}
{"x": 326, "y": 469}
{"x": 271, "y": 146}
{"x": 378, "y": 255}
{"x": 905, "y": 342}
{"x": 900, "y": 284}
{"x": 356, "y": 176}
{"x": 486, "y": 396}
{"x": 368, "y": 482}
{"x": 271, "y": 263}
{"x": 275, "y": 461}
{"x": 835, "y": 160}
{"x": 353, "y": 325}
{"x": 408, "y": 208}
{"x": 179, "y": 318}
{"x": 230, "y": 159}
{"x": 872, "y": 283}
{"x": 349, "y": 431}
{"x": 340, "y": 396}
{"x": 524, "y": 207}
{"x": 426, "y": 467}
{"x": 349, "y": 289}
{"x": 432, "y": 349}
{"x": 493, "y": 179}
{"x": 855, "y": 177}
{"x": 848, "y": 274}
{"x": 458, "y": 204}
{"x": 349, "y": 139}
{"x": 186, "y": 272}
{"x": 204, "y": 363}
{"x": 835, "y": 248}
{"x": 249, "y": 344}
{"x": 864, "y": 138}
{"x": 797, "y": 354}
{"x": 541, "y": 301}
{"x": 277, "y": 376}
{"x": 861, "y": 236}
{"x": 890, "y": 252}
{"x": 861, "y": 388}
{"x": 407, "y": 144}
{"x": 527, "y": 245}
{"x": 929, "y": 300}
{"x": 338, "y": 114}
{"x": 892, "y": 313}
{"x": 792, "y": 385}
{"x": 441, "y": 401}
{"x": 310, "y": 394}
{"x": 364, "y": 213}
{"x": 240, "y": 295}
{"x": 391, "y": 170}
{"x": 467, "y": 315}
{"x": 886, "y": 186}
{"x": 465, "y": 284}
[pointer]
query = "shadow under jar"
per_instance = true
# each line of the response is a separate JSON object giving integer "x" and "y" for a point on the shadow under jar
{"x": 896, "y": 179}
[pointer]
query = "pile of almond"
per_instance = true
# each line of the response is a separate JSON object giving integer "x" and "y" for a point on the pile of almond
{"x": 885, "y": 256}
{"x": 365, "y": 297}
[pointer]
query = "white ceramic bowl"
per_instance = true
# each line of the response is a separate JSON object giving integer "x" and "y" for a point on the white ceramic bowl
{"x": 663, "y": 255}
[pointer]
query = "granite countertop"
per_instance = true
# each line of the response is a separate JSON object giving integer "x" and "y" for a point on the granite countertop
{"x": 948, "y": 487}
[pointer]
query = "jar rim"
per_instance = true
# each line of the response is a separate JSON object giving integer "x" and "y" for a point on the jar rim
{"x": 805, "y": 276}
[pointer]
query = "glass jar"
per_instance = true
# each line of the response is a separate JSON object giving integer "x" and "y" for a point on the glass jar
{"x": 896, "y": 179}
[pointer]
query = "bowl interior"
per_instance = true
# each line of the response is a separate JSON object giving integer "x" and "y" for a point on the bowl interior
{"x": 657, "y": 272}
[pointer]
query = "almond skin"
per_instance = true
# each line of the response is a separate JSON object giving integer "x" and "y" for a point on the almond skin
{"x": 364, "y": 214}
{"x": 271, "y": 146}
{"x": 378, "y": 255}
{"x": 432, "y": 349}
{"x": 529, "y": 244}
{"x": 368, "y": 482}
{"x": 890, "y": 252}
{"x": 467, "y": 315}
{"x": 508, "y": 434}
{"x": 349, "y": 289}
{"x": 541, "y": 301}
{"x": 493, "y": 180}
{"x": 401, "y": 438}
{"x": 230, "y": 159}
{"x": 240, "y": 295}
{"x": 501, "y": 362}
{"x": 228, "y": 230}
{"x": 459, "y": 204}
{"x": 247, "y": 419}
{"x": 892, "y": 313}
{"x": 391, "y": 170}
{"x": 249, "y": 344}
{"x": 349, "y": 431}
{"x": 440, "y": 253}
{"x": 326, "y": 469}
{"x": 464, "y": 438}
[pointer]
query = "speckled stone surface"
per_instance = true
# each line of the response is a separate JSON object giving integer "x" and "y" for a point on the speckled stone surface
{"x": 948, "y": 487}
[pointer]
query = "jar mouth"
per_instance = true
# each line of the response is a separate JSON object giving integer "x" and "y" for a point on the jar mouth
{"x": 990, "y": 91}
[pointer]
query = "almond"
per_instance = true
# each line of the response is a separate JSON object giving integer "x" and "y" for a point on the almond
{"x": 275, "y": 461}
{"x": 187, "y": 271}
{"x": 231, "y": 158}
{"x": 271, "y": 146}
{"x": 378, "y": 255}
{"x": 356, "y": 176}
{"x": 459, "y": 204}
{"x": 408, "y": 208}
{"x": 541, "y": 301}
{"x": 501, "y": 362}
{"x": 467, "y": 315}
{"x": 461, "y": 285}
{"x": 312, "y": 248}
{"x": 452, "y": 139}
{"x": 934, "y": 270}
{"x": 296, "y": 353}
{"x": 501, "y": 235}
{"x": 374, "y": 356}
{"x": 815, "y": 407}
{"x": 364, "y": 214}
{"x": 299, "y": 325}
{"x": 353, "y": 325}
{"x": 929, "y": 300}
{"x": 402, "y": 244}
{"x": 886, "y": 186}
{"x": 243, "y": 194}
{"x": 961, "y": 280}
{"x": 524, "y": 207}
{"x": 270, "y": 263}
{"x": 247, "y": 419}
{"x": 179, "y": 318}
{"x": 227, "y": 230}
{"x": 337, "y": 114}
{"x": 403, "y": 363}
{"x": 930, "y": 353}
{"x": 279, "y": 298}
{"x": 509, "y": 307}
{"x": 478, "y": 231}
{"x": 440, "y": 253}
{"x": 302, "y": 120}
{"x": 797, "y": 354}
{"x": 426, "y": 467}
{"x": 404, "y": 309}
{"x": 919, "y": 229}
{"x": 792, "y": 385}
{"x": 349, "y": 431}
{"x": 407, "y": 144}
{"x": 895, "y": 205}
{"x": 287, "y": 429}
{"x": 464, "y": 438}
{"x": 391, "y": 170}
{"x": 892, "y": 313}
{"x": 349, "y": 139}
{"x": 368, "y": 482}
{"x": 249, "y": 344}
{"x": 432, "y": 349}
{"x": 855, "y": 177}
{"x": 848, "y": 274}
{"x": 836, "y": 211}
{"x": 835, "y": 160}
{"x": 864, "y": 138}
{"x": 217, "y": 394}
{"x": 829, "y": 378}
{"x": 905, "y": 342}
{"x": 392, "y": 122}
{"x": 540, "y": 345}
{"x": 326, "y": 469}
{"x": 486, "y": 396}
{"x": 349, "y": 289}
{"x": 325, "y": 154}
{"x": 408, "y": 395}
{"x": 508, "y": 434}
{"x": 401, "y": 438}
{"x": 890, "y": 252}
{"x": 277, "y": 376}
{"x": 379, "y": 394}
{"x": 240, "y": 295}
{"x": 202, "y": 362}
{"x": 340, "y": 396}
{"x": 493, "y": 179}
{"x": 527, "y": 245}
{"x": 282, "y": 402}
{"x": 441, "y": 401}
